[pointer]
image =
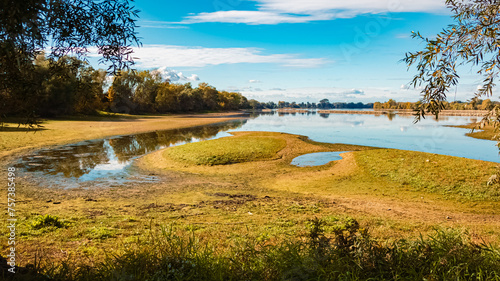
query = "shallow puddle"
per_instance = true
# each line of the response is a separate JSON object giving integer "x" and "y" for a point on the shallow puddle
{"x": 317, "y": 159}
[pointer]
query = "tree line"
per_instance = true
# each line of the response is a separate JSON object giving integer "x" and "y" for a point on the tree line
{"x": 71, "y": 86}
{"x": 475, "y": 104}
{"x": 322, "y": 104}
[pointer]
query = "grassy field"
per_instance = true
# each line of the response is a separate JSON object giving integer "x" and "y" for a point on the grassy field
{"x": 227, "y": 150}
{"x": 234, "y": 208}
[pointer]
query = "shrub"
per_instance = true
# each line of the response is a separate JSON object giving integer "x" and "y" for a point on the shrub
{"x": 45, "y": 221}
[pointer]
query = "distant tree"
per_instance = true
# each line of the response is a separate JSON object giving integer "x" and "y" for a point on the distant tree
{"x": 28, "y": 27}
{"x": 186, "y": 98}
{"x": 232, "y": 100}
{"x": 121, "y": 92}
{"x": 145, "y": 92}
{"x": 210, "y": 96}
{"x": 254, "y": 104}
{"x": 390, "y": 104}
{"x": 167, "y": 99}
{"x": 486, "y": 104}
{"x": 472, "y": 40}
{"x": 271, "y": 105}
{"x": 324, "y": 103}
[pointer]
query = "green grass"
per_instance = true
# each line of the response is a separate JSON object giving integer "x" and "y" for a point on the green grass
{"x": 224, "y": 151}
{"x": 45, "y": 221}
{"x": 486, "y": 133}
{"x": 252, "y": 220}
{"x": 446, "y": 175}
{"x": 347, "y": 254}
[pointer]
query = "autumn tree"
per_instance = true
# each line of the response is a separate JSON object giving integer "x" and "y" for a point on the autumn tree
{"x": 65, "y": 27}
{"x": 210, "y": 96}
{"x": 146, "y": 90}
{"x": 473, "y": 40}
{"x": 121, "y": 92}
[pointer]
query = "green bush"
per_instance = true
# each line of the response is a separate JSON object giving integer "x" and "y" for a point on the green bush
{"x": 45, "y": 221}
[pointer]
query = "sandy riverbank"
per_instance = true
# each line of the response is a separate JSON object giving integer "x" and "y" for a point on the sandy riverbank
{"x": 62, "y": 131}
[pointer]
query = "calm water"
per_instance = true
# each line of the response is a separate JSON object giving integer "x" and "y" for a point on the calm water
{"x": 317, "y": 159}
{"x": 389, "y": 131}
{"x": 107, "y": 162}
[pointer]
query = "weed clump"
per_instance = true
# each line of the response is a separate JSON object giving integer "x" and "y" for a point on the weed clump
{"x": 46, "y": 221}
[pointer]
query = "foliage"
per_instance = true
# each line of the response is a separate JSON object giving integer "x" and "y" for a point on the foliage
{"x": 477, "y": 104}
{"x": 473, "y": 40}
{"x": 147, "y": 92}
{"x": 65, "y": 86}
{"x": 28, "y": 27}
{"x": 70, "y": 86}
{"x": 447, "y": 255}
{"x": 227, "y": 150}
{"x": 322, "y": 104}
{"x": 47, "y": 221}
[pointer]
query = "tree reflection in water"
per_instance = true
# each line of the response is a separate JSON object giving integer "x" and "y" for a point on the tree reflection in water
{"x": 82, "y": 159}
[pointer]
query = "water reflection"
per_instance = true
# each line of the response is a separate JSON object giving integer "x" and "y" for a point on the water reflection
{"x": 109, "y": 158}
{"x": 383, "y": 130}
{"x": 325, "y": 115}
{"x": 107, "y": 161}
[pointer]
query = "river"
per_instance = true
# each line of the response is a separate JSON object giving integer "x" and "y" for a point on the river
{"x": 108, "y": 162}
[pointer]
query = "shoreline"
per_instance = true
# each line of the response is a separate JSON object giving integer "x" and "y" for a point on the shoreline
{"x": 58, "y": 132}
{"x": 477, "y": 113}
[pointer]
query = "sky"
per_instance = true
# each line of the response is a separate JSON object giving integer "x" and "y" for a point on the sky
{"x": 293, "y": 50}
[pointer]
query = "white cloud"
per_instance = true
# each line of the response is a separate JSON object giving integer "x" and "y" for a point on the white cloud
{"x": 354, "y": 92}
{"x": 243, "y": 89}
{"x": 156, "y": 56}
{"x": 354, "y": 6}
{"x": 174, "y": 76}
{"x": 334, "y": 94}
{"x": 253, "y": 17}
{"x": 160, "y": 24}
{"x": 300, "y": 11}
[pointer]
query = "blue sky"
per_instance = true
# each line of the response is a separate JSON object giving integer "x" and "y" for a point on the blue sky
{"x": 293, "y": 50}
